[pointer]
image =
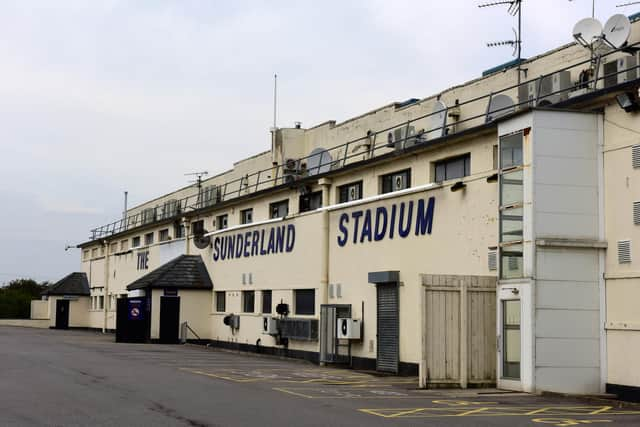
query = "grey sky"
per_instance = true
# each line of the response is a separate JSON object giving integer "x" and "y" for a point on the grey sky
{"x": 102, "y": 96}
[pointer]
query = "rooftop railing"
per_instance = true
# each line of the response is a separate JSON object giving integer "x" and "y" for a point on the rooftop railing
{"x": 466, "y": 115}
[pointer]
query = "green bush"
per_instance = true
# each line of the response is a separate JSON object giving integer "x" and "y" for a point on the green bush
{"x": 15, "y": 298}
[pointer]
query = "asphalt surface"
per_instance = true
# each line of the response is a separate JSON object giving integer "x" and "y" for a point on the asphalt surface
{"x": 77, "y": 378}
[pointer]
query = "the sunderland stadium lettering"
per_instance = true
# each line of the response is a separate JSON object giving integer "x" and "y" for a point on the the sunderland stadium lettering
{"x": 274, "y": 240}
{"x": 382, "y": 222}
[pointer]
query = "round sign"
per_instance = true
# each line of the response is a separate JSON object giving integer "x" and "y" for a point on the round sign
{"x": 344, "y": 326}
{"x": 135, "y": 311}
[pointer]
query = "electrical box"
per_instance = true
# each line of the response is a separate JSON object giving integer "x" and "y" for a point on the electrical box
{"x": 269, "y": 325}
{"x": 349, "y": 329}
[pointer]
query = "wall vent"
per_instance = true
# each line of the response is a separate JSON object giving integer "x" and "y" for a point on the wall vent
{"x": 635, "y": 156}
{"x": 492, "y": 260}
{"x": 624, "y": 251}
{"x": 636, "y": 213}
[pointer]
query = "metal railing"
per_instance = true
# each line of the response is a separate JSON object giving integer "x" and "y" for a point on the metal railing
{"x": 350, "y": 151}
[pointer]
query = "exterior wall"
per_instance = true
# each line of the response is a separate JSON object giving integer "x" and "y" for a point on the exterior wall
{"x": 40, "y": 309}
{"x": 26, "y": 323}
{"x": 79, "y": 314}
{"x": 195, "y": 309}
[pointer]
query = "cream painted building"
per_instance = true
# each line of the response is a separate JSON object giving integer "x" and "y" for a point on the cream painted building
{"x": 461, "y": 237}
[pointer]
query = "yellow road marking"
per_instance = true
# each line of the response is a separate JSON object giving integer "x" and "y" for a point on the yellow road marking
{"x": 473, "y": 411}
{"x": 284, "y": 390}
{"x": 434, "y": 412}
{"x": 603, "y": 409}
{"x": 537, "y": 411}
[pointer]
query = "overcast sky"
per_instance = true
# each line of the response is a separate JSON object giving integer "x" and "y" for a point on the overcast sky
{"x": 102, "y": 96}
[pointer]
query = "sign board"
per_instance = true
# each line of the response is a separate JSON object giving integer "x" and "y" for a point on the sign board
{"x": 135, "y": 309}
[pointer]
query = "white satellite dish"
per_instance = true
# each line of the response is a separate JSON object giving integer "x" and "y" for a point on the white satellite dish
{"x": 319, "y": 161}
{"x": 437, "y": 121}
{"x": 500, "y": 105}
{"x": 587, "y": 31}
{"x": 617, "y": 30}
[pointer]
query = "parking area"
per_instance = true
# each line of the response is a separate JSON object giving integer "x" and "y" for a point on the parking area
{"x": 84, "y": 378}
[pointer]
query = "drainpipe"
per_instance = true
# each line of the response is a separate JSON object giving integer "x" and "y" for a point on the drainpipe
{"x": 187, "y": 233}
{"x": 106, "y": 285}
{"x": 325, "y": 183}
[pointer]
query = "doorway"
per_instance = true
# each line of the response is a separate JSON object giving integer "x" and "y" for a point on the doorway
{"x": 388, "y": 327}
{"x": 62, "y": 314}
{"x": 169, "y": 319}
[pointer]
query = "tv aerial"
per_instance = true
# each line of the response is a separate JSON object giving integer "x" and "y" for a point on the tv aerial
{"x": 631, "y": 3}
{"x": 198, "y": 176}
{"x": 514, "y": 9}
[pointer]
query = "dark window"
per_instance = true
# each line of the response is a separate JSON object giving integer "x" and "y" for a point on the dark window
{"x": 148, "y": 239}
{"x": 135, "y": 242}
{"x": 396, "y": 181}
{"x": 305, "y": 301}
{"x": 279, "y": 209}
{"x": 221, "y": 222}
{"x": 248, "y": 301}
{"x": 178, "y": 230}
{"x": 221, "y": 301}
{"x": 350, "y": 192}
{"x": 311, "y": 201}
{"x": 456, "y": 167}
{"x": 163, "y": 235}
{"x": 197, "y": 227}
{"x": 266, "y": 302}
{"x": 511, "y": 150}
{"x": 246, "y": 216}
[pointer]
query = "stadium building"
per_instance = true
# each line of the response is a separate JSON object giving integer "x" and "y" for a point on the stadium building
{"x": 480, "y": 236}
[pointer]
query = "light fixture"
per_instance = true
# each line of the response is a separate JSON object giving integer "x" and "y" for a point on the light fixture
{"x": 628, "y": 101}
{"x": 458, "y": 186}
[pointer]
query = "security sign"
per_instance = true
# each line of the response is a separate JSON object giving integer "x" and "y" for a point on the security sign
{"x": 135, "y": 309}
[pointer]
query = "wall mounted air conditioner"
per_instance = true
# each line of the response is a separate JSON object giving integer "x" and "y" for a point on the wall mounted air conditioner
{"x": 269, "y": 325}
{"x": 353, "y": 192}
{"x": 348, "y": 329}
{"x": 619, "y": 71}
{"x": 556, "y": 89}
{"x": 396, "y": 138}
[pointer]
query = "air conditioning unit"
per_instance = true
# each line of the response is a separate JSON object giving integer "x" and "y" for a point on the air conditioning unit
{"x": 353, "y": 193}
{"x": 232, "y": 321}
{"x": 348, "y": 329}
{"x": 299, "y": 329}
{"x": 627, "y": 69}
{"x": 399, "y": 182}
{"x": 528, "y": 92}
{"x": 269, "y": 325}
{"x": 170, "y": 208}
{"x": 209, "y": 196}
{"x": 557, "y": 90}
{"x": 398, "y": 140}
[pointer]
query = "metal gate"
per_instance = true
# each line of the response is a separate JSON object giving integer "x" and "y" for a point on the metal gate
{"x": 460, "y": 331}
{"x": 332, "y": 349}
{"x": 387, "y": 327}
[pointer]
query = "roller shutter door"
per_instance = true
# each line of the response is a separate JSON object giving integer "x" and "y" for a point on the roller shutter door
{"x": 388, "y": 327}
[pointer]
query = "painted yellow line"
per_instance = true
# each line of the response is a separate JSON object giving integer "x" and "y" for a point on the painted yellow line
{"x": 434, "y": 412}
{"x": 473, "y": 411}
{"x": 603, "y": 409}
{"x": 537, "y": 411}
{"x": 284, "y": 390}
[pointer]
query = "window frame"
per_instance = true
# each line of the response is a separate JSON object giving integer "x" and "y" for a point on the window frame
{"x": 148, "y": 238}
{"x": 387, "y": 181}
{"x": 134, "y": 240}
{"x": 449, "y": 162}
{"x": 245, "y": 301}
{"x": 221, "y": 301}
{"x": 243, "y": 216}
{"x": 305, "y": 201}
{"x": 343, "y": 191}
{"x": 163, "y": 235}
{"x": 222, "y": 218}
{"x": 277, "y": 206}
{"x": 263, "y": 301}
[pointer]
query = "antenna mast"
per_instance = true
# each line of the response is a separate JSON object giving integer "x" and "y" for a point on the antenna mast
{"x": 198, "y": 179}
{"x": 631, "y": 3}
{"x": 275, "y": 100}
{"x": 515, "y": 8}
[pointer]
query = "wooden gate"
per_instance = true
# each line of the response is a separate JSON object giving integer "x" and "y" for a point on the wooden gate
{"x": 459, "y": 331}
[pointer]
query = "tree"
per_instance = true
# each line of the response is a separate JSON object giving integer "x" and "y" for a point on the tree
{"x": 15, "y": 298}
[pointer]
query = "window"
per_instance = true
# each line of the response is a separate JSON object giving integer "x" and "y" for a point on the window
{"x": 305, "y": 301}
{"x": 350, "y": 192}
{"x": 101, "y": 302}
{"x": 279, "y": 209}
{"x": 94, "y": 253}
{"x": 124, "y": 245}
{"x": 246, "y": 216}
{"x": 454, "y": 168}
{"x": 222, "y": 222}
{"x": 248, "y": 301}
{"x": 511, "y": 339}
{"x": 101, "y": 250}
{"x": 221, "y": 301}
{"x": 86, "y": 253}
{"x": 178, "y": 230}
{"x": 495, "y": 157}
{"x": 511, "y": 213}
{"x": 197, "y": 227}
{"x": 135, "y": 242}
{"x": 163, "y": 235}
{"x": 266, "y": 302}
{"x": 396, "y": 181}
{"x": 311, "y": 201}
{"x": 113, "y": 248}
{"x": 148, "y": 239}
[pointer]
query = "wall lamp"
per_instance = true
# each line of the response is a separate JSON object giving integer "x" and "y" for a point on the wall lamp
{"x": 458, "y": 186}
{"x": 628, "y": 101}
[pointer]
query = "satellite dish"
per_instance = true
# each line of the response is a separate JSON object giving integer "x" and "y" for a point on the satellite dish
{"x": 319, "y": 161}
{"x": 437, "y": 121}
{"x": 500, "y": 105}
{"x": 201, "y": 240}
{"x": 617, "y": 30}
{"x": 587, "y": 31}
